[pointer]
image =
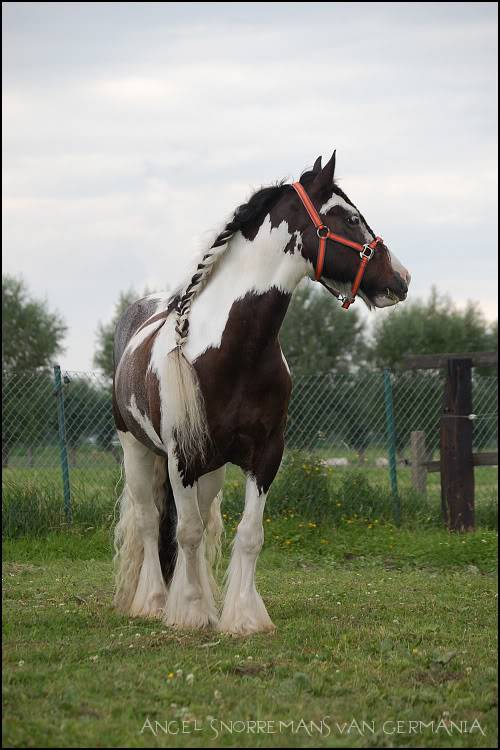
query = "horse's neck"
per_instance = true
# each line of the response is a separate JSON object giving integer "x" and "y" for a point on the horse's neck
{"x": 249, "y": 289}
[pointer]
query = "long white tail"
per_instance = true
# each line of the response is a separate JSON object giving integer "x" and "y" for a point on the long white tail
{"x": 186, "y": 407}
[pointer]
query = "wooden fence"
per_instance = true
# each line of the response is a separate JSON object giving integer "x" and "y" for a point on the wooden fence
{"x": 457, "y": 460}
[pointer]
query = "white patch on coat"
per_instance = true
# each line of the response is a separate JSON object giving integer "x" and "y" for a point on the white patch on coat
{"x": 337, "y": 200}
{"x": 247, "y": 267}
{"x": 144, "y": 422}
{"x": 297, "y": 247}
{"x": 140, "y": 336}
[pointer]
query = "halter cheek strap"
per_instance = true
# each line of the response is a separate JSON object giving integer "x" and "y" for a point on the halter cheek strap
{"x": 365, "y": 251}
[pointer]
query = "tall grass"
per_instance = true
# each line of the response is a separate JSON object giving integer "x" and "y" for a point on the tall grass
{"x": 35, "y": 508}
{"x": 33, "y": 503}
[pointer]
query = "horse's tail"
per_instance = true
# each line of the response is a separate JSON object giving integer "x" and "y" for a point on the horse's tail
{"x": 164, "y": 499}
{"x": 186, "y": 407}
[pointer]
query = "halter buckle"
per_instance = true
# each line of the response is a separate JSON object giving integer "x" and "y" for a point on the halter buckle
{"x": 346, "y": 301}
{"x": 320, "y": 229}
{"x": 367, "y": 252}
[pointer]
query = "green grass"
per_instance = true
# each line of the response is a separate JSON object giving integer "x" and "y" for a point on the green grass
{"x": 33, "y": 500}
{"x": 374, "y": 624}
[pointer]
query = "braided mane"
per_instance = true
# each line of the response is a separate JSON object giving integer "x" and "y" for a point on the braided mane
{"x": 258, "y": 204}
{"x": 244, "y": 216}
{"x": 186, "y": 404}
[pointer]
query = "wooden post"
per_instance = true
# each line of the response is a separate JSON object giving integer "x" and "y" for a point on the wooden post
{"x": 457, "y": 467}
{"x": 418, "y": 461}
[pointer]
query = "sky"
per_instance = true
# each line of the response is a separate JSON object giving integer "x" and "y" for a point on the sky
{"x": 132, "y": 130}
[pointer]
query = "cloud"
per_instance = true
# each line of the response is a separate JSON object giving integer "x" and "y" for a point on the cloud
{"x": 130, "y": 130}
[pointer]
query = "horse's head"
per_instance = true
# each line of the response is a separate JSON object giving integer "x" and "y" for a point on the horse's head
{"x": 384, "y": 281}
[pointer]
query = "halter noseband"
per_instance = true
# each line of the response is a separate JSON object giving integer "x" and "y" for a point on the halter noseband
{"x": 365, "y": 251}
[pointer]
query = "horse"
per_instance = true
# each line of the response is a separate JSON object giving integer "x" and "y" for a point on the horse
{"x": 200, "y": 381}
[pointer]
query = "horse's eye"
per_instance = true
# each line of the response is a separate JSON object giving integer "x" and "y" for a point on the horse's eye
{"x": 353, "y": 220}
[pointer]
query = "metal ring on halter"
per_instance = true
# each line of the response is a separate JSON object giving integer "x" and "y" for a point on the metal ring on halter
{"x": 320, "y": 229}
{"x": 367, "y": 252}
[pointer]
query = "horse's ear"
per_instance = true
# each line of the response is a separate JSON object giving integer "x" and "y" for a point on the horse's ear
{"x": 317, "y": 165}
{"x": 325, "y": 177}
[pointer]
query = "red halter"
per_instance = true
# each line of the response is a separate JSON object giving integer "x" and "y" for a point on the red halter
{"x": 365, "y": 251}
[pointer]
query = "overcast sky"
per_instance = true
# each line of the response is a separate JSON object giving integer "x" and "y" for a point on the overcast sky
{"x": 130, "y": 129}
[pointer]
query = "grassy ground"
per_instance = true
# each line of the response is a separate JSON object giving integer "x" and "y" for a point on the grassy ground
{"x": 33, "y": 499}
{"x": 376, "y": 625}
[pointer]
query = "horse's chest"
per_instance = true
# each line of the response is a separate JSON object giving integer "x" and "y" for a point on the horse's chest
{"x": 246, "y": 400}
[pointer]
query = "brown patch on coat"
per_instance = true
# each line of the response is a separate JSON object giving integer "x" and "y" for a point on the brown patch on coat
{"x": 246, "y": 388}
{"x": 136, "y": 381}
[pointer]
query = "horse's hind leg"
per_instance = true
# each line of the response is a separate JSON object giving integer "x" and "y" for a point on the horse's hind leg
{"x": 140, "y": 588}
{"x": 190, "y": 601}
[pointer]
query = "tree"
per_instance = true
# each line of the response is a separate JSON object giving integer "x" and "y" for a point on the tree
{"x": 431, "y": 327}
{"x": 88, "y": 416}
{"x": 103, "y": 357}
{"x": 436, "y": 326}
{"x": 32, "y": 334}
{"x": 29, "y": 414}
{"x": 317, "y": 336}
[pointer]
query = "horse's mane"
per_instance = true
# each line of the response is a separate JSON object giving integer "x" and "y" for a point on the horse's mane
{"x": 244, "y": 216}
{"x": 263, "y": 199}
{"x": 261, "y": 202}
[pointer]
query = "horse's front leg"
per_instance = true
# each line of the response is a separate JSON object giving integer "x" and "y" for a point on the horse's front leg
{"x": 190, "y": 602}
{"x": 244, "y": 611}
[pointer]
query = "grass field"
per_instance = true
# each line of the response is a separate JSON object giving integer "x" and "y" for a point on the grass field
{"x": 33, "y": 499}
{"x": 375, "y": 625}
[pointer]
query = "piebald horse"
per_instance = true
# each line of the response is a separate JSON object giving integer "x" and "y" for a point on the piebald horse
{"x": 200, "y": 381}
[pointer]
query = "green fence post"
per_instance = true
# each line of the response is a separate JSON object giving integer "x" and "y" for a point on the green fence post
{"x": 58, "y": 388}
{"x": 391, "y": 445}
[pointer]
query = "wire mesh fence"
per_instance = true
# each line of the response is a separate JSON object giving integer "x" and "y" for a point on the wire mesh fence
{"x": 346, "y": 414}
{"x": 340, "y": 419}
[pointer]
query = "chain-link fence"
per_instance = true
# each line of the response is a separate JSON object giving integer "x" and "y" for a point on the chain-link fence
{"x": 58, "y": 428}
{"x": 346, "y": 415}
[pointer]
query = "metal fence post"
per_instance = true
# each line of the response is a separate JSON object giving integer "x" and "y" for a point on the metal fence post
{"x": 58, "y": 388}
{"x": 391, "y": 445}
